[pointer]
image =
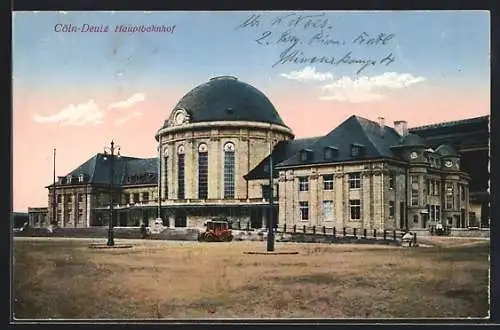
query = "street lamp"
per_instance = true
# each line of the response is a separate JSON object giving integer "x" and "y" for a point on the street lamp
{"x": 110, "y": 151}
{"x": 159, "y": 179}
{"x": 270, "y": 225}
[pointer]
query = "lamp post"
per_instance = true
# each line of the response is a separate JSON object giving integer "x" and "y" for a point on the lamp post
{"x": 110, "y": 151}
{"x": 159, "y": 179}
{"x": 54, "y": 199}
{"x": 270, "y": 225}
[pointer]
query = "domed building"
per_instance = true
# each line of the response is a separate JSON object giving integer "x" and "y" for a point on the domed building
{"x": 216, "y": 134}
{"x": 224, "y": 142}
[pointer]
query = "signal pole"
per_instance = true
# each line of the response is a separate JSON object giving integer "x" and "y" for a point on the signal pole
{"x": 270, "y": 230}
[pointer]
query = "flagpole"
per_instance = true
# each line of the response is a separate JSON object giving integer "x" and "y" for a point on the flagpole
{"x": 54, "y": 200}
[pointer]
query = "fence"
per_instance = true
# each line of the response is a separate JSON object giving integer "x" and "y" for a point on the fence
{"x": 361, "y": 235}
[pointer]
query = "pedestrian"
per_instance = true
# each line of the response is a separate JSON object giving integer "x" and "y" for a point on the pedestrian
{"x": 143, "y": 231}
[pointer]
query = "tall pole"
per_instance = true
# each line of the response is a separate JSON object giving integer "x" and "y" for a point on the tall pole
{"x": 54, "y": 200}
{"x": 270, "y": 232}
{"x": 159, "y": 179}
{"x": 111, "y": 240}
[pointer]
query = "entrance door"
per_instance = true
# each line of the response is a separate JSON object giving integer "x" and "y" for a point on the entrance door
{"x": 255, "y": 218}
{"x": 123, "y": 219}
{"x": 425, "y": 217}
{"x": 180, "y": 219}
{"x": 145, "y": 217}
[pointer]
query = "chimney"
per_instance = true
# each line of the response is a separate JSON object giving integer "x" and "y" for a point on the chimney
{"x": 401, "y": 126}
{"x": 381, "y": 123}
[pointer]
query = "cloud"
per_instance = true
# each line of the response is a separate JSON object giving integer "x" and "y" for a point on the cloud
{"x": 308, "y": 74}
{"x": 123, "y": 120}
{"x": 365, "y": 89}
{"x": 128, "y": 103}
{"x": 74, "y": 115}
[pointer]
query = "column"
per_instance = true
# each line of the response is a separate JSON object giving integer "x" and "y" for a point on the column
{"x": 367, "y": 200}
{"x": 87, "y": 205}
{"x": 63, "y": 210}
{"x": 215, "y": 184}
{"x": 190, "y": 169}
{"x": 346, "y": 210}
{"x": 314, "y": 203}
{"x": 339, "y": 201}
{"x": 74, "y": 200}
{"x": 241, "y": 168}
{"x": 295, "y": 206}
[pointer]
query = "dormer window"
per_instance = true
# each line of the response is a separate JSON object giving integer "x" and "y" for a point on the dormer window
{"x": 330, "y": 153}
{"x": 357, "y": 150}
{"x": 69, "y": 178}
{"x": 81, "y": 178}
{"x": 305, "y": 155}
{"x": 61, "y": 180}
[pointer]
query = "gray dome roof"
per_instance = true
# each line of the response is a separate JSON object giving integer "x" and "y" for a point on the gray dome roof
{"x": 446, "y": 150}
{"x": 226, "y": 98}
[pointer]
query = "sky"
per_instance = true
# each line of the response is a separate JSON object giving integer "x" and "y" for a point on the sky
{"x": 81, "y": 79}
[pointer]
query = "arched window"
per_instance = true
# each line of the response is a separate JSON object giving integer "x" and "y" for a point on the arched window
{"x": 229, "y": 170}
{"x": 180, "y": 172}
{"x": 165, "y": 175}
{"x": 202, "y": 171}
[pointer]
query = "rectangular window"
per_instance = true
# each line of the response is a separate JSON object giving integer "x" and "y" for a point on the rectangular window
{"x": 229, "y": 174}
{"x": 354, "y": 151}
{"x": 432, "y": 212}
{"x": 203, "y": 175}
{"x": 180, "y": 176}
{"x": 414, "y": 190}
{"x": 266, "y": 191}
{"x": 449, "y": 196}
{"x": 303, "y": 184}
{"x": 68, "y": 198}
{"x": 328, "y": 182}
{"x": 355, "y": 205}
{"x": 135, "y": 198}
{"x": 80, "y": 198}
{"x": 145, "y": 196}
{"x": 391, "y": 181}
{"x": 449, "y": 202}
{"x": 354, "y": 180}
{"x": 165, "y": 178}
{"x": 304, "y": 210}
{"x": 59, "y": 198}
{"x": 438, "y": 213}
{"x": 438, "y": 188}
{"x": 462, "y": 192}
{"x": 391, "y": 208}
{"x": 126, "y": 198}
{"x": 327, "y": 210}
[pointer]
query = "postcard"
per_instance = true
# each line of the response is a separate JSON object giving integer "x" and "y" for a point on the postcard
{"x": 249, "y": 165}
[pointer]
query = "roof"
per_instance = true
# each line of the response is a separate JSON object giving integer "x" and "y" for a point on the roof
{"x": 127, "y": 170}
{"x": 377, "y": 142}
{"x": 463, "y": 122}
{"x": 446, "y": 150}
{"x": 282, "y": 151}
{"x": 411, "y": 140}
{"x": 228, "y": 99}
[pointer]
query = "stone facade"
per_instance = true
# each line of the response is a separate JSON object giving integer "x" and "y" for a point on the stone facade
{"x": 211, "y": 162}
{"x": 251, "y": 142}
{"x": 389, "y": 196}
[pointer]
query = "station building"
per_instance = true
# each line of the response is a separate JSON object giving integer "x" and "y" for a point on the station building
{"x": 216, "y": 150}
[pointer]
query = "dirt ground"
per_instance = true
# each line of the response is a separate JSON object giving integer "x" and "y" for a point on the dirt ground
{"x": 67, "y": 279}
